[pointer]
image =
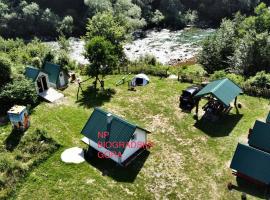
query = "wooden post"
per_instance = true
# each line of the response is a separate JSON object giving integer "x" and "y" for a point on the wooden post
{"x": 197, "y": 109}
{"x": 235, "y": 102}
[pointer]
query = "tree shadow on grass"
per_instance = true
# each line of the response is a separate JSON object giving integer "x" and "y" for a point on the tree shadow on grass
{"x": 220, "y": 128}
{"x": 13, "y": 140}
{"x": 119, "y": 173}
{"x": 258, "y": 191}
{"x": 90, "y": 98}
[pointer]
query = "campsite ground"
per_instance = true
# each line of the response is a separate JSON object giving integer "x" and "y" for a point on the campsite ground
{"x": 187, "y": 161}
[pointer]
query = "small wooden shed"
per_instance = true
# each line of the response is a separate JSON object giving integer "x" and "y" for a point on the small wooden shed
{"x": 40, "y": 78}
{"x": 51, "y": 75}
{"x": 19, "y": 117}
{"x": 58, "y": 77}
{"x": 122, "y": 141}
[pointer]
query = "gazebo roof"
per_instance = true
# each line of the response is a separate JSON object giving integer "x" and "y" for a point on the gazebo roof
{"x": 224, "y": 90}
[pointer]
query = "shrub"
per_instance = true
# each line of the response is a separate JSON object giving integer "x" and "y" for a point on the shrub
{"x": 36, "y": 61}
{"x": 160, "y": 71}
{"x": 49, "y": 57}
{"x": 261, "y": 80}
{"x": 148, "y": 59}
{"x": 65, "y": 62}
{"x": 5, "y": 71}
{"x": 238, "y": 79}
{"x": 66, "y": 26}
{"x": 20, "y": 91}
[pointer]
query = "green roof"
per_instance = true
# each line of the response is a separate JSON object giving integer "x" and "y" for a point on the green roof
{"x": 31, "y": 72}
{"x": 53, "y": 71}
{"x": 260, "y": 136}
{"x": 119, "y": 129}
{"x": 224, "y": 90}
{"x": 252, "y": 162}
{"x": 268, "y": 118}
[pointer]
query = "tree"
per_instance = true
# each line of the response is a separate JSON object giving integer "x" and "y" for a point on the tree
{"x": 157, "y": 17}
{"x": 49, "y": 22}
{"x": 106, "y": 25}
{"x": 129, "y": 14}
{"x": 96, "y": 6}
{"x": 66, "y": 26}
{"x": 31, "y": 10}
{"x": 172, "y": 10}
{"x": 263, "y": 18}
{"x": 5, "y": 71}
{"x": 102, "y": 57}
{"x": 218, "y": 49}
{"x": 190, "y": 17}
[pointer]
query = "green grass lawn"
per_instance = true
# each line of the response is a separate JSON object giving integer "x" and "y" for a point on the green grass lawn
{"x": 186, "y": 162}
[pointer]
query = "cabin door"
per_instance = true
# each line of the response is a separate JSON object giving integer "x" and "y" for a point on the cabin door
{"x": 42, "y": 84}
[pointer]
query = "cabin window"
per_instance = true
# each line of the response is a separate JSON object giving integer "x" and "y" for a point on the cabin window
{"x": 133, "y": 137}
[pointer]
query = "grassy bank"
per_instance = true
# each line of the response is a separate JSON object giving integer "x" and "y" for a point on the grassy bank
{"x": 20, "y": 153}
{"x": 188, "y": 160}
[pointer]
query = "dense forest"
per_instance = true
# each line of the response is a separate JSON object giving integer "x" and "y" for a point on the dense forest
{"x": 20, "y": 18}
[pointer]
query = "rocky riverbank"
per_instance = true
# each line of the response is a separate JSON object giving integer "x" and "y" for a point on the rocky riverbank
{"x": 169, "y": 47}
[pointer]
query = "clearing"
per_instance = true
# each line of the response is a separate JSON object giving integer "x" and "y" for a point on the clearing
{"x": 186, "y": 162}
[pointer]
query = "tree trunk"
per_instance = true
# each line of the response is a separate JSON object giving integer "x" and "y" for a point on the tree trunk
{"x": 95, "y": 83}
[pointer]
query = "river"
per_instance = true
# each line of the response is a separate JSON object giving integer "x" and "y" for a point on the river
{"x": 167, "y": 46}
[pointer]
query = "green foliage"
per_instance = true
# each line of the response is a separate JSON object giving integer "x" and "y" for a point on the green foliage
{"x": 37, "y": 143}
{"x": 29, "y": 19}
{"x": 20, "y": 92}
{"x": 64, "y": 43}
{"x": 158, "y": 70}
{"x": 238, "y": 79}
{"x": 129, "y": 14}
{"x": 261, "y": 80}
{"x": 101, "y": 55}
{"x": 66, "y": 26}
{"x": 36, "y": 61}
{"x": 106, "y": 25}
{"x": 5, "y": 71}
{"x": 63, "y": 59}
{"x": 34, "y": 148}
{"x": 147, "y": 59}
{"x": 172, "y": 10}
{"x": 218, "y": 48}
{"x": 241, "y": 45}
{"x": 157, "y": 17}
{"x": 262, "y": 18}
{"x": 96, "y": 6}
{"x": 190, "y": 17}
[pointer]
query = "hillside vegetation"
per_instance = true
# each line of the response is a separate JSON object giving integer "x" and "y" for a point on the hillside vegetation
{"x": 51, "y": 18}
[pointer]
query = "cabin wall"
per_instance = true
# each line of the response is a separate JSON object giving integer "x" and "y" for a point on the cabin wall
{"x": 103, "y": 150}
{"x": 65, "y": 77}
{"x": 140, "y": 136}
